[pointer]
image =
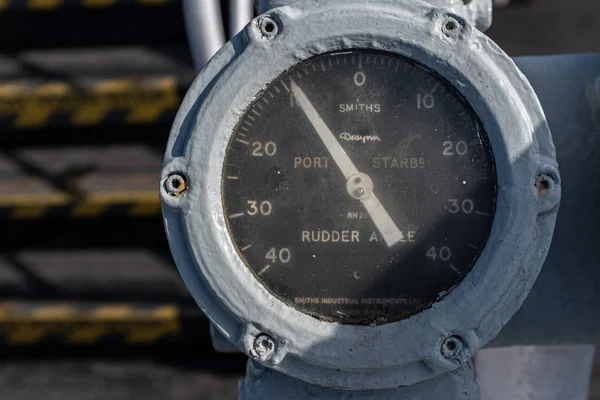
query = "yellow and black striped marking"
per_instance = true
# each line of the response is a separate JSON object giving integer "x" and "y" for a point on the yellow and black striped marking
{"x": 73, "y": 323}
{"x": 25, "y": 207}
{"x": 52, "y": 5}
{"x": 129, "y": 101}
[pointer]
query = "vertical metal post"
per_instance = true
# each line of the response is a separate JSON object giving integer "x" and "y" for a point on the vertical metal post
{"x": 263, "y": 383}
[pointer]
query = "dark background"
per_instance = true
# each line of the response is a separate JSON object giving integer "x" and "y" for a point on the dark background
{"x": 117, "y": 256}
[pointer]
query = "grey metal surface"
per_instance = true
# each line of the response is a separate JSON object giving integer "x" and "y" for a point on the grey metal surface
{"x": 543, "y": 27}
{"x": 564, "y": 304}
{"x": 265, "y": 383}
{"x": 394, "y": 354}
{"x": 220, "y": 342}
{"x": 535, "y": 372}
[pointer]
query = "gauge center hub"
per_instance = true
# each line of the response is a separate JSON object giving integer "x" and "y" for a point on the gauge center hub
{"x": 359, "y": 186}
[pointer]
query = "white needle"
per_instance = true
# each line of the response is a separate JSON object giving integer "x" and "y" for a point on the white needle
{"x": 333, "y": 146}
{"x": 388, "y": 229}
{"x": 382, "y": 220}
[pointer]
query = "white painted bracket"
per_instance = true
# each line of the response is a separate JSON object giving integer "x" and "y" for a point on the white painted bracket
{"x": 479, "y": 12}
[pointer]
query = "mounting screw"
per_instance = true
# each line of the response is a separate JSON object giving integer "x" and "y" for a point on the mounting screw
{"x": 451, "y": 347}
{"x": 543, "y": 185}
{"x": 268, "y": 27}
{"x": 546, "y": 187}
{"x": 359, "y": 192}
{"x": 175, "y": 184}
{"x": 450, "y": 26}
{"x": 263, "y": 347}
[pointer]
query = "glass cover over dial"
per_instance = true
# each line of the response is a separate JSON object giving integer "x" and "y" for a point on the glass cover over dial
{"x": 359, "y": 187}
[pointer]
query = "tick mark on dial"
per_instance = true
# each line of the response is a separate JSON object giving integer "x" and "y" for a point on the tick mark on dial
{"x": 483, "y": 213}
{"x": 232, "y": 216}
{"x": 471, "y": 245}
{"x": 242, "y": 141}
{"x": 246, "y": 247}
{"x": 455, "y": 269}
{"x": 232, "y": 177}
{"x": 262, "y": 271}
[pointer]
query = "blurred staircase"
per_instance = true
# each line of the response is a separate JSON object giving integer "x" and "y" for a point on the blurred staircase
{"x": 88, "y": 90}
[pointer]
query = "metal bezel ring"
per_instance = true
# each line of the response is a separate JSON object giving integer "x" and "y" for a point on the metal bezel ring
{"x": 329, "y": 354}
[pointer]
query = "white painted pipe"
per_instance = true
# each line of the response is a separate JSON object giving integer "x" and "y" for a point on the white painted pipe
{"x": 240, "y": 13}
{"x": 204, "y": 27}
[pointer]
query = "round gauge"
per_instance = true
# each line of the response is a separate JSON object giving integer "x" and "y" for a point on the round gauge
{"x": 359, "y": 187}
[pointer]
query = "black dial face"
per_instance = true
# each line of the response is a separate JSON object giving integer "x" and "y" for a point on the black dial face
{"x": 359, "y": 187}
